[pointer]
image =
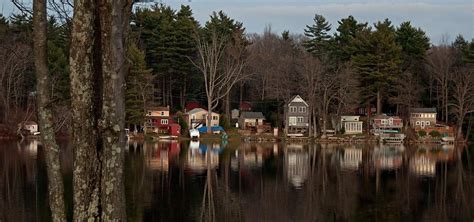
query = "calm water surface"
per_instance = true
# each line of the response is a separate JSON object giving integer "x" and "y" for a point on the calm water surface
{"x": 192, "y": 181}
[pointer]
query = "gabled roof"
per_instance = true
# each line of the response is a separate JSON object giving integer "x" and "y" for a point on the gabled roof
{"x": 297, "y": 99}
{"x": 197, "y": 110}
{"x": 158, "y": 108}
{"x": 423, "y": 110}
{"x": 252, "y": 115}
{"x": 384, "y": 116}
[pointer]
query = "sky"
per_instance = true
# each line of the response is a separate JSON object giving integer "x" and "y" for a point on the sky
{"x": 441, "y": 20}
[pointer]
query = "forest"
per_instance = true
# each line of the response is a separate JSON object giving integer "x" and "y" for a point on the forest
{"x": 335, "y": 67}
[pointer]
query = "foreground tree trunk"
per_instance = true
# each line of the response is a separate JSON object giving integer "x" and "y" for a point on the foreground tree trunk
{"x": 45, "y": 114}
{"x": 97, "y": 79}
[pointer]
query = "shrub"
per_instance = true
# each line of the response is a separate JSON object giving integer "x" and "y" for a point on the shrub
{"x": 421, "y": 133}
{"x": 435, "y": 133}
{"x": 183, "y": 124}
{"x": 224, "y": 122}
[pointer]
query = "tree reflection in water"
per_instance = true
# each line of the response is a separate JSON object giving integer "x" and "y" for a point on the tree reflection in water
{"x": 183, "y": 181}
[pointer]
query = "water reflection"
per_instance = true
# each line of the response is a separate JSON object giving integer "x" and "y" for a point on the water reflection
{"x": 195, "y": 181}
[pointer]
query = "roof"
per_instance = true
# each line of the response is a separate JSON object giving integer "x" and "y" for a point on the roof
{"x": 384, "y": 116}
{"x": 252, "y": 115}
{"x": 158, "y": 108}
{"x": 30, "y": 123}
{"x": 423, "y": 110}
{"x": 297, "y": 100}
{"x": 245, "y": 105}
{"x": 197, "y": 110}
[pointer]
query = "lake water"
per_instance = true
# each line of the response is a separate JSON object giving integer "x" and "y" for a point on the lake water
{"x": 192, "y": 181}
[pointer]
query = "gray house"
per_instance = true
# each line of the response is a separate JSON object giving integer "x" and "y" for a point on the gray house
{"x": 297, "y": 116}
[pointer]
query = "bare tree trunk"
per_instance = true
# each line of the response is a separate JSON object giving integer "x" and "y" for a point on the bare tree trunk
{"x": 45, "y": 114}
{"x": 97, "y": 79}
{"x": 114, "y": 16}
{"x": 379, "y": 103}
{"x": 209, "y": 117}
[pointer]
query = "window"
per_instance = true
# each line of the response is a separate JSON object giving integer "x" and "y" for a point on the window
{"x": 149, "y": 113}
{"x": 164, "y": 121}
{"x": 292, "y": 121}
{"x": 149, "y": 121}
{"x": 162, "y": 113}
{"x": 427, "y": 123}
{"x": 302, "y": 109}
{"x": 417, "y": 123}
{"x": 215, "y": 117}
{"x": 300, "y": 119}
{"x": 293, "y": 109}
{"x": 384, "y": 122}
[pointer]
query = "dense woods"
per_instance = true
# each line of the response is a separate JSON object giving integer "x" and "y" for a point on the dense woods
{"x": 335, "y": 67}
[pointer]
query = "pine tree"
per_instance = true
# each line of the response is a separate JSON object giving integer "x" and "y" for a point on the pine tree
{"x": 377, "y": 60}
{"x": 414, "y": 43}
{"x": 138, "y": 87}
{"x": 346, "y": 32}
{"x": 318, "y": 35}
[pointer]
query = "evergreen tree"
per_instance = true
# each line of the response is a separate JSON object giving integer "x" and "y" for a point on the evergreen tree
{"x": 138, "y": 87}
{"x": 346, "y": 32}
{"x": 377, "y": 60}
{"x": 414, "y": 43}
{"x": 319, "y": 38}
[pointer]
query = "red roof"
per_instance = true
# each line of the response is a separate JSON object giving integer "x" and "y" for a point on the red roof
{"x": 245, "y": 106}
{"x": 193, "y": 105}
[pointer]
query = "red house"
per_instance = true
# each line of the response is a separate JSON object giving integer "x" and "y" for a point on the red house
{"x": 245, "y": 106}
{"x": 158, "y": 119}
{"x": 384, "y": 122}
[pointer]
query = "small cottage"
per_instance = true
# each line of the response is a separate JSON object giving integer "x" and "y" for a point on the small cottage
{"x": 297, "y": 116}
{"x": 250, "y": 120}
{"x": 351, "y": 125}
{"x": 197, "y": 117}
{"x": 422, "y": 117}
{"x": 30, "y": 126}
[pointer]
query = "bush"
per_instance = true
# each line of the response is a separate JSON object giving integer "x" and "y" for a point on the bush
{"x": 224, "y": 122}
{"x": 183, "y": 124}
{"x": 435, "y": 133}
{"x": 421, "y": 133}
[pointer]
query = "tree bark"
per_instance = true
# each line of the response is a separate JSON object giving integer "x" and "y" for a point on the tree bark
{"x": 114, "y": 20}
{"x": 84, "y": 104}
{"x": 45, "y": 114}
{"x": 97, "y": 84}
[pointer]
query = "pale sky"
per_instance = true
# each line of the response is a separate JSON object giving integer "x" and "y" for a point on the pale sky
{"x": 438, "y": 18}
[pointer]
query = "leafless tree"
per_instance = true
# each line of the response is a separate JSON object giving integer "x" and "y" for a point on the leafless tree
{"x": 220, "y": 71}
{"x": 311, "y": 69}
{"x": 45, "y": 113}
{"x": 407, "y": 95}
{"x": 463, "y": 96}
{"x": 440, "y": 62}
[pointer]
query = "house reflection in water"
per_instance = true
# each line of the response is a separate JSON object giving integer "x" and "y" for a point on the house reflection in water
{"x": 422, "y": 165}
{"x": 423, "y": 162}
{"x": 296, "y": 164}
{"x": 201, "y": 155}
{"x": 350, "y": 158}
{"x": 161, "y": 155}
{"x": 388, "y": 156}
{"x": 249, "y": 156}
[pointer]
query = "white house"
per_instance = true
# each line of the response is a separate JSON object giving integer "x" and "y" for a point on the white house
{"x": 30, "y": 126}
{"x": 198, "y": 117}
{"x": 351, "y": 124}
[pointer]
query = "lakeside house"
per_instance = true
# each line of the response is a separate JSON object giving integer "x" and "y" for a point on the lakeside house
{"x": 388, "y": 128}
{"x": 158, "y": 119}
{"x": 387, "y": 124}
{"x": 297, "y": 116}
{"x": 351, "y": 124}
{"x": 251, "y": 120}
{"x": 197, "y": 117}
{"x": 30, "y": 126}
{"x": 422, "y": 117}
